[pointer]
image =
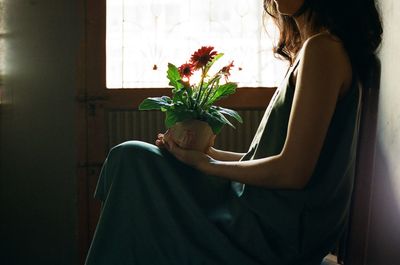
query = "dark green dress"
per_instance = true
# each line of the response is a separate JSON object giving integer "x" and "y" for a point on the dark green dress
{"x": 157, "y": 210}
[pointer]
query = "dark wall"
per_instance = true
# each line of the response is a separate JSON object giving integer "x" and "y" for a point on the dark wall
{"x": 38, "y": 215}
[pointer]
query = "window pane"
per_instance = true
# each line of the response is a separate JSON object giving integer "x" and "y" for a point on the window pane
{"x": 143, "y": 36}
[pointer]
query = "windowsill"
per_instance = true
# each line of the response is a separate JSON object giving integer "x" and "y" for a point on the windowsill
{"x": 244, "y": 98}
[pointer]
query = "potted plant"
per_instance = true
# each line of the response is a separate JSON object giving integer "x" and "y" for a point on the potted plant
{"x": 192, "y": 119}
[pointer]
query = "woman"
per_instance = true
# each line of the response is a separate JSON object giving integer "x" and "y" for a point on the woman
{"x": 286, "y": 200}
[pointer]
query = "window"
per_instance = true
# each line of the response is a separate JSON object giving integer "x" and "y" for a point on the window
{"x": 143, "y": 36}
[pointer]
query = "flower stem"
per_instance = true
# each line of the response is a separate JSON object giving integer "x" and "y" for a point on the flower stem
{"x": 214, "y": 83}
{"x": 201, "y": 85}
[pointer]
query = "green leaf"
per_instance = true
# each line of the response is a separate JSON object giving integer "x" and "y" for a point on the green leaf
{"x": 222, "y": 118}
{"x": 177, "y": 96}
{"x": 216, "y": 120}
{"x": 216, "y": 58}
{"x": 170, "y": 119}
{"x": 177, "y": 115}
{"x": 209, "y": 64}
{"x": 174, "y": 77}
{"x": 231, "y": 113}
{"x": 222, "y": 92}
{"x": 156, "y": 103}
{"x": 181, "y": 97}
{"x": 215, "y": 123}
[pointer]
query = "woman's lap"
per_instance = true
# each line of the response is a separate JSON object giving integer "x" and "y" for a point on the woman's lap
{"x": 140, "y": 163}
{"x": 156, "y": 207}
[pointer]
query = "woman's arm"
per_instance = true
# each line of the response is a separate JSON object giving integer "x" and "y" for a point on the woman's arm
{"x": 224, "y": 155}
{"x": 212, "y": 152}
{"x": 322, "y": 73}
{"x": 267, "y": 172}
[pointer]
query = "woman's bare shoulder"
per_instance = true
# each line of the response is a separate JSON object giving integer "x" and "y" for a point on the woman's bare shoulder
{"x": 326, "y": 45}
{"x": 323, "y": 40}
{"x": 326, "y": 53}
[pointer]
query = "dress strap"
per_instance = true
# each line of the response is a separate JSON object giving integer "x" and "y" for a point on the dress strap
{"x": 297, "y": 60}
{"x": 292, "y": 68}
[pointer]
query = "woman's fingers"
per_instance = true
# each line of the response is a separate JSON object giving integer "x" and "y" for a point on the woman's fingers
{"x": 160, "y": 143}
{"x": 175, "y": 150}
{"x": 160, "y": 140}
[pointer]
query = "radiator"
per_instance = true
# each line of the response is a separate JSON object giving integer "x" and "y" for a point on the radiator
{"x": 145, "y": 125}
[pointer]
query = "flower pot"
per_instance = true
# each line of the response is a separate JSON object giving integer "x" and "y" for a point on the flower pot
{"x": 192, "y": 134}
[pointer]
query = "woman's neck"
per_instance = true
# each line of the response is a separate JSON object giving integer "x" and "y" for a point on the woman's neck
{"x": 304, "y": 23}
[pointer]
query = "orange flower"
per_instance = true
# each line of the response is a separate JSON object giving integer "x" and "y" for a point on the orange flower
{"x": 202, "y": 56}
{"x": 226, "y": 69}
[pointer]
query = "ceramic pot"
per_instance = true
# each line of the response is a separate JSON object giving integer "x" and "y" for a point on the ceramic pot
{"x": 192, "y": 134}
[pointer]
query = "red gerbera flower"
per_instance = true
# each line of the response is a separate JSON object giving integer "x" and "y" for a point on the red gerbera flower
{"x": 202, "y": 56}
{"x": 186, "y": 70}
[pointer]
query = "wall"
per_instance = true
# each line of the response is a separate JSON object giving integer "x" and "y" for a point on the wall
{"x": 384, "y": 233}
{"x": 38, "y": 218}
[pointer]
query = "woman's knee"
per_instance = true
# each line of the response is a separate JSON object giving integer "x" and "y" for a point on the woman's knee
{"x": 135, "y": 148}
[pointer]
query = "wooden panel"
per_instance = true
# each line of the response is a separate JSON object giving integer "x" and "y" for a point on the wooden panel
{"x": 96, "y": 47}
{"x": 124, "y": 125}
{"x": 83, "y": 234}
{"x": 93, "y": 205}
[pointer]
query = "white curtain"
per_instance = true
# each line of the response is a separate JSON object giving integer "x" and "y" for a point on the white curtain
{"x": 143, "y": 36}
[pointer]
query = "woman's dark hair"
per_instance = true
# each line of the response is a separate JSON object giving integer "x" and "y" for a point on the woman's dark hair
{"x": 356, "y": 22}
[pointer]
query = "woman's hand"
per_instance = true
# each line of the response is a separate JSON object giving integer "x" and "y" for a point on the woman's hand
{"x": 160, "y": 142}
{"x": 222, "y": 155}
{"x": 163, "y": 138}
{"x": 193, "y": 158}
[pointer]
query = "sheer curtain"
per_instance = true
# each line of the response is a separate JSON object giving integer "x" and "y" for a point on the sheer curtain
{"x": 143, "y": 36}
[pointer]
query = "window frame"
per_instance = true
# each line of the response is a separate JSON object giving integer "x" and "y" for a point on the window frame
{"x": 130, "y": 98}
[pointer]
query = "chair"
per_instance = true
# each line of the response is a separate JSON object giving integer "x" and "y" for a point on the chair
{"x": 352, "y": 246}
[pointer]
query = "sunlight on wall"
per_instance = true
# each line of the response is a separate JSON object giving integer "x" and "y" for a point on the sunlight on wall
{"x": 389, "y": 110}
{"x": 143, "y": 36}
{"x": 2, "y": 49}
